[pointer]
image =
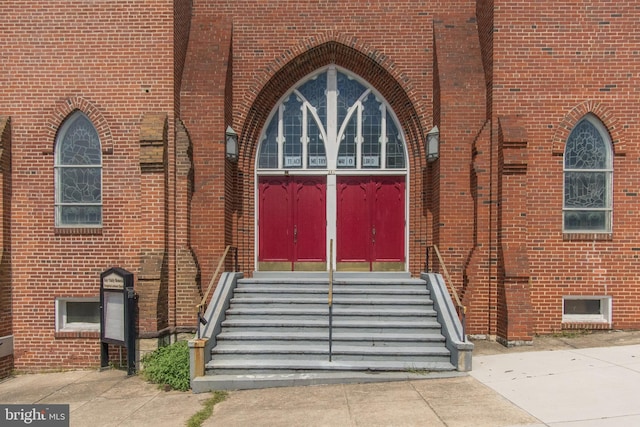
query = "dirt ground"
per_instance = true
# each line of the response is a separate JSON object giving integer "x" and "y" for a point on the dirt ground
{"x": 561, "y": 341}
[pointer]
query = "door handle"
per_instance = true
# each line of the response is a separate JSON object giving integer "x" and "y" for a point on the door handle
{"x": 373, "y": 234}
{"x": 295, "y": 234}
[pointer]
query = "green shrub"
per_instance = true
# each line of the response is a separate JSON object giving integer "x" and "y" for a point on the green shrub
{"x": 168, "y": 366}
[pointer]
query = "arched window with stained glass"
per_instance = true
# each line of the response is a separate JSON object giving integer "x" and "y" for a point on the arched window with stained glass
{"x": 332, "y": 120}
{"x": 588, "y": 178}
{"x": 78, "y": 174}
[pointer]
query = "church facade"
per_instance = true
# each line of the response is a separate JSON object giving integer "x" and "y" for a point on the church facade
{"x": 114, "y": 115}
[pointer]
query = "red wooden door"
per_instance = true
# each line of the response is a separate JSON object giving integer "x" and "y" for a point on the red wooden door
{"x": 388, "y": 223}
{"x": 353, "y": 228}
{"x": 274, "y": 221}
{"x": 370, "y": 223}
{"x": 292, "y": 223}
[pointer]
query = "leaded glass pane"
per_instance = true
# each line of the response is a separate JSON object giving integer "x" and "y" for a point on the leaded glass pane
{"x": 371, "y": 132}
{"x": 585, "y": 189}
{"x": 316, "y": 155}
{"x": 81, "y": 215}
{"x": 80, "y": 185}
{"x": 349, "y": 91}
{"x": 315, "y": 92}
{"x": 395, "y": 145}
{"x": 585, "y": 148}
{"x": 347, "y": 150}
{"x": 268, "y": 157}
{"x": 292, "y": 124}
{"x": 80, "y": 145}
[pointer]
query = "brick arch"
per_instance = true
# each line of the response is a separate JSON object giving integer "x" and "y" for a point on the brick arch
{"x": 379, "y": 72}
{"x": 64, "y": 109}
{"x": 572, "y": 118}
{"x": 349, "y": 53}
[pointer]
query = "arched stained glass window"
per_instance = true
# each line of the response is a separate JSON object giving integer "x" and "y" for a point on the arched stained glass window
{"x": 332, "y": 120}
{"x": 78, "y": 174}
{"x": 588, "y": 170}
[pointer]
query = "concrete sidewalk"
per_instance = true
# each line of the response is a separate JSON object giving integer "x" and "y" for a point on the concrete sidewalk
{"x": 103, "y": 398}
{"x": 558, "y": 381}
{"x": 581, "y": 387}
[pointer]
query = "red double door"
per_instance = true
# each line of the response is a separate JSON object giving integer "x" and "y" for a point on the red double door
{"x": 370, "y": 223}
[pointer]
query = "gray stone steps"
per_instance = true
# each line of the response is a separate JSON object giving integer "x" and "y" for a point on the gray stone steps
{"x": 281, "y": 326}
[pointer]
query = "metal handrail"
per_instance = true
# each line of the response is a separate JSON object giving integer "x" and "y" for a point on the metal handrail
{"x": 202, "y": 307}
{"x": 330, "y": 299}
{"x": 462, "y": 310}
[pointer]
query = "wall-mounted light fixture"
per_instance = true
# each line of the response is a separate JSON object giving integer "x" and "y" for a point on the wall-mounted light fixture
{"x": 433, "y": 144}
{"x": 231, "y": 138}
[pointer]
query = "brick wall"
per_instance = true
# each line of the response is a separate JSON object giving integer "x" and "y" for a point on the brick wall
{"x": 388, "y": 44}
{"x": 552, "y": 65}
{"x": 114, "y": 61}
{"x": 203, "y": 66}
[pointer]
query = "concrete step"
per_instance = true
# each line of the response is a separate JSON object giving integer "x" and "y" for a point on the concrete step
{"x": 366, "y": 339}
{"x": 308, "y": 350}
{"x": 337, "y": 289}
{"x": 338, "y": 299}
{"x": 294, "y": 366}
{"x": 319, "y": 321}
{"x": 242, "y": 381}
{"x": 339, "y": 311}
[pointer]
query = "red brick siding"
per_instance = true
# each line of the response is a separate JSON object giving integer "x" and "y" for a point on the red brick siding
{"x": 548, "y": 65}
{"x": 113, "y": 60}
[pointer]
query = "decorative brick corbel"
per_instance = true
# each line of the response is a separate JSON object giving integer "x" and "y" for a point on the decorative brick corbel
{"x": 153, "y": 142}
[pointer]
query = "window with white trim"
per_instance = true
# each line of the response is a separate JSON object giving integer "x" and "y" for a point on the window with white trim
{"x": 77, "y": 314}
{"x": 586, "y": 309}
{"x": 588, "y": 176}
{"x": 78, "y": 174}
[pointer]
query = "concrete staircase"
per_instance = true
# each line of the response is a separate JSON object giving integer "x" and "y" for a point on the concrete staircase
{"x": 276, "y": 332}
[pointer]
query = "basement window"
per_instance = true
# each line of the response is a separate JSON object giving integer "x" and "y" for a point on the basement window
{"x": 586, "y": 309}
{"x": 77, "y": 314}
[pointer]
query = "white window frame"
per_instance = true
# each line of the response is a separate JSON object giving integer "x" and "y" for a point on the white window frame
{"x": 606, "y": 310}
{"x": 61, "y": 316}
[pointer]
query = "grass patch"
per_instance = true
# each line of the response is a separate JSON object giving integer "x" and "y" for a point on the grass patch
{"x": 168, "y": 366}
{"x": 202, "y": 415}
